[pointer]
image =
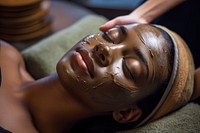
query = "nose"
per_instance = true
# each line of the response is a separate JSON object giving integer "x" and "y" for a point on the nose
{"x": 102, "y": 52}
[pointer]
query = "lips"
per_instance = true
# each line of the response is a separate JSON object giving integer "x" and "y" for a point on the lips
{"x": 87, "y": 61}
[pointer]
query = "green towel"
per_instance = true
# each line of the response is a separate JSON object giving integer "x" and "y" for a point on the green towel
{"x": 42, "y": 58}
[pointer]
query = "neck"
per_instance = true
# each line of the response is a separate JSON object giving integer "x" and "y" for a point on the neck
{"x": 52, "y": 107}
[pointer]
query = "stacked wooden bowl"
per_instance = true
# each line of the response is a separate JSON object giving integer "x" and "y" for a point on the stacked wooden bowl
{"x": 22, "y": 20}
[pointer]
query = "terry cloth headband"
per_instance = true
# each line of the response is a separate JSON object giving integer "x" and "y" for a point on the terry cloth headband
{"x": 180, "y": 87}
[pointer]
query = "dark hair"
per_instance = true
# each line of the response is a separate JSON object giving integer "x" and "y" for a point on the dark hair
{"x": 106, "y": 124}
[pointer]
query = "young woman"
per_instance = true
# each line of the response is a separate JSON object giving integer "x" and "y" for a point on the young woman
{"x": 114, "y": 73}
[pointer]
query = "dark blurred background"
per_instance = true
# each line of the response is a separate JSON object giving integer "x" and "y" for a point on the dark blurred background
{"x": 108, "y": 8}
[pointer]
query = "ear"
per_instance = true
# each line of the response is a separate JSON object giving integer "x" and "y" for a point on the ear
{"x": 127, "y": 114}
{"x": 196, "y": 89}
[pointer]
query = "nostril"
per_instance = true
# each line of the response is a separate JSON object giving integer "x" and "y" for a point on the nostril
{"x": 101, "y": 51}
{"x": 102, "y": 57}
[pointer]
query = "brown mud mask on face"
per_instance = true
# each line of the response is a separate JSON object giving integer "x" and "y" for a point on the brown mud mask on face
{"x": 151, "y": 39}
{"x": 112, "y": 64}
{"x": 132, "y": 89}
{"x": 124, "y": 92}
{"x": 87, "y": 87}
{"x": 78, "y": 79}
{"x": 109, "y": 75}
{"x": 127, "y": 86}
{"x": 107, "y": 99}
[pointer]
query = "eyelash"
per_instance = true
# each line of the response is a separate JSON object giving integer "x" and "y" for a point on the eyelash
{"x": 106, "y": 36}
{"x": 129, "y": 72}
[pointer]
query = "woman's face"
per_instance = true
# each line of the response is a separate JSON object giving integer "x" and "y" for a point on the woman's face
{"x": 116, "y": 68}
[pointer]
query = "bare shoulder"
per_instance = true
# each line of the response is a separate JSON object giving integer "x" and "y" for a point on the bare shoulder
{"x": 9, "y": 52}
{"x": 14, "y": 75}
{"x": 12, "y": 66}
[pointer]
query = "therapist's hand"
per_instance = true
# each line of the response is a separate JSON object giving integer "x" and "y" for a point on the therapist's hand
{"x": 146, "y": 13}
{"x": 126, "y": 19}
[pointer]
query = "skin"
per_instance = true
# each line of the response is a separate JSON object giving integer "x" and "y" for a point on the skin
{"x": 80, "y": 90}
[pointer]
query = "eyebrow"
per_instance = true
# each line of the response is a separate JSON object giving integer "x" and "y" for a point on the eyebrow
{"x": 141, "y": 56}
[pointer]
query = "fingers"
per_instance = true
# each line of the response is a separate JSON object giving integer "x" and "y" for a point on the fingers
{"x": 114, "y": 22}
{"x": 123, "y": 20}
{"x": 109, "y": 25}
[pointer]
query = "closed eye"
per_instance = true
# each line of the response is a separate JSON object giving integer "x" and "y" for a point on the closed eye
{"x": 115, "y": 35}
{"x": 107, "y": 38}
{"x": 128, "y": 69}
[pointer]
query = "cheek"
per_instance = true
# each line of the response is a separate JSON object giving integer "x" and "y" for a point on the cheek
{"x": 110, "y": 94}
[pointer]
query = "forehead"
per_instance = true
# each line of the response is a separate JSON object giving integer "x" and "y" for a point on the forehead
{"x": 143, "y": 29}
{"x": 149, "y": 35}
